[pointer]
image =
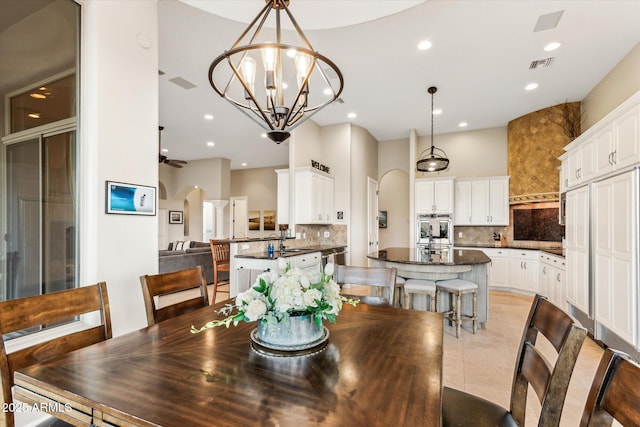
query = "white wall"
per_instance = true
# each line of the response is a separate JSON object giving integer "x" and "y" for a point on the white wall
{"x": 336, "y": 142}
{"x": 477, "y": 153}
{"x": 394, "y": 198}
{"x": 259, "y": 185}
{"x": 364, "y": 164}
{"x": 617, "y": 86}
{"x": 119, "y": 139}
{"x": 308, "y": 145}
{"x": 394, "y": 155}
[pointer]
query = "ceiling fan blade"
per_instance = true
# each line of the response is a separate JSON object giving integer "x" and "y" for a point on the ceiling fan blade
{"x": 174, "y": 164}
{"x": 178, "y": 161}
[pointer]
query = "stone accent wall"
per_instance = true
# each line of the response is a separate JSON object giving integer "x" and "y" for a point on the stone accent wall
{"x": 535, "y": 141}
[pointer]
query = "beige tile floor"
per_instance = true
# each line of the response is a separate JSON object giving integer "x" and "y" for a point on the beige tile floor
{"x": 482, "y": 364}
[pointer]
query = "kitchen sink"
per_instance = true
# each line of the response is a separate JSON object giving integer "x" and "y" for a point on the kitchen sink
{"x": 295, "y": 250}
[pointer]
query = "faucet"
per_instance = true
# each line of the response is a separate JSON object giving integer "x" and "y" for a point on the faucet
{"x": 283, "y": 236}
{"x": 430, "y": 239}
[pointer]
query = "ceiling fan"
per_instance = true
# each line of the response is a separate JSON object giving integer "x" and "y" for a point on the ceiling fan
{"x": 164, "y": 159}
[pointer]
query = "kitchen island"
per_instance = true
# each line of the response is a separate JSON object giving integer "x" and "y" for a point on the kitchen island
{"x": 248, "y": 257}
{"x": 464, "y": 264}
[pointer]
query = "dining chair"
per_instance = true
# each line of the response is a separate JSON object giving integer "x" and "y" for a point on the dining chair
{"x": 45, "y": 312}
{"x": 549, "y": 381}
{"x": 615, "y": 392}
{"x": 220, "y": 251}
{"x": 185, "y": 291}
{"x": 378, "y": 278}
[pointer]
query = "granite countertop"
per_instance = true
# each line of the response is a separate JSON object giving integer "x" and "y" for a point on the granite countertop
{"x": 552, "y": 250}
{"x": 325, "y": 249}
{"x": 414, "y": 256}
{"x": 251, "y": 239}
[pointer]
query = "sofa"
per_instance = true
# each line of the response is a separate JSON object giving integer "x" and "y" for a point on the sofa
{"x": 188, "y": 254}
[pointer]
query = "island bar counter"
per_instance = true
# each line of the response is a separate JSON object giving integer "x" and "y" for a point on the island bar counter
{"x": 471, "y": 265}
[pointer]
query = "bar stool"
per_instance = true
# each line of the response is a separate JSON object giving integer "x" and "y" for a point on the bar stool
{"x": 457, "y": 288}
{"x": 399, "y": 291}
{"x": 420, "y": 286}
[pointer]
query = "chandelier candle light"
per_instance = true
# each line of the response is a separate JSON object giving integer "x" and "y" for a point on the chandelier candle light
{"x": 289, "y": 309}
{"x": 284, "y": 60}
{"x": 437, "y": 159}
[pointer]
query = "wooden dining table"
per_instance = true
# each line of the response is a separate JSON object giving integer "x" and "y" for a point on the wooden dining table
{"x": 381, "y": 366}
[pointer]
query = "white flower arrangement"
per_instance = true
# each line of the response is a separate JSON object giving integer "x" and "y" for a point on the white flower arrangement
{"x": 294, "y": 293}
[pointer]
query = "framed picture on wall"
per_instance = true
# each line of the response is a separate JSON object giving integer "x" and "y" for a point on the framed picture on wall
{"x": 254, "y": 220}
{"x": 176, "y": 217}
{"x": 382, "y": 219}
{"x": 269, "y": 220}
{"x": 129, "y": 199}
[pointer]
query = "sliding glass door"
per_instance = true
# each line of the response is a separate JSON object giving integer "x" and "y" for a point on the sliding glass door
{"x": 41, "y": 212}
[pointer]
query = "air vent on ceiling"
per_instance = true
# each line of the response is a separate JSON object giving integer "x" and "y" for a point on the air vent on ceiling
{"x": 548, "y": 21}
{"x": 184, "y": 84}
{"x": 541, "y": 63}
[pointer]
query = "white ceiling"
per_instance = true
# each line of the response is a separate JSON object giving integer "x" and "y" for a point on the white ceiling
{"x": 479, "y": 61}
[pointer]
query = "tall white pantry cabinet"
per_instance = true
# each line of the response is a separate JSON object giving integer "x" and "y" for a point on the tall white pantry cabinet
{"x": 602, "y": 227}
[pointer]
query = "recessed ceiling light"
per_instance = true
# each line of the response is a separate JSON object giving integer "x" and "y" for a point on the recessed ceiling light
{"x": 531, "y": 86}
{"x": 210, "y": 143}
{"x": 551, "y": 46}
{"x": 34, "y": 115}
{"x": 352, "y": 115}
{"x": 328, "y": 91}
{"x": 424, "y": 45}
{"x": 38, "y": 95}
{"x": 165, "y": 150}
{"x": 436, "y": 112}
{"x": 263, "y": 135}
{"x": 463, "y": 124}
{"x": 208, "y": 116}
{"x": 291, "y": 53}
{"x": 285, "y": 85}
{"x": 243, "y": 164}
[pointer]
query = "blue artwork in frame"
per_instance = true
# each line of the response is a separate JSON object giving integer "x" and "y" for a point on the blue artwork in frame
{"x": 130, "y": 199}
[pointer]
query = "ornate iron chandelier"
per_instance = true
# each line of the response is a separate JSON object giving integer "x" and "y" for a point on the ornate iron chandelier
{"x": 437, "y": 159}
{"x": 297, "y": 81}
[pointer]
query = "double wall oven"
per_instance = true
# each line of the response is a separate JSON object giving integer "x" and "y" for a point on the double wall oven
{"x": 435, "y": 232}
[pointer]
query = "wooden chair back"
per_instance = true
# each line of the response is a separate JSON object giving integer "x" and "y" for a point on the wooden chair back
{"x": 45, "y": 311}
{"x": 550, "y": 382}
{"x": 615, "y": 392}
{"x": 381, "y": 278}
{"x": 166, "y": 284}
{"x": 220, "y": 251}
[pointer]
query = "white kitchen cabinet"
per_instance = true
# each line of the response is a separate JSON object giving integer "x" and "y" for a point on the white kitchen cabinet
{"x": 615, "y": 255}
{"x": 581, "y": 163}
{"x": 564, "y": 173}
{"x": 524, "y": 270}
{"x": 483, "y": 201}
{"x": 283, "y": 196}
{"x": 434, "y": 195}
{"x": 617, "y": 144}
{"x": 498, "y": 268}
{"x": 462, "y": 203}
{"x": 609, "y": 146}
{"x": 499, "y": 201}
{"x": 313, "y": 197}
{"x": 552, "y": 273}
{"x": 578, "y": 248}
{"x": 248, "y": 268}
